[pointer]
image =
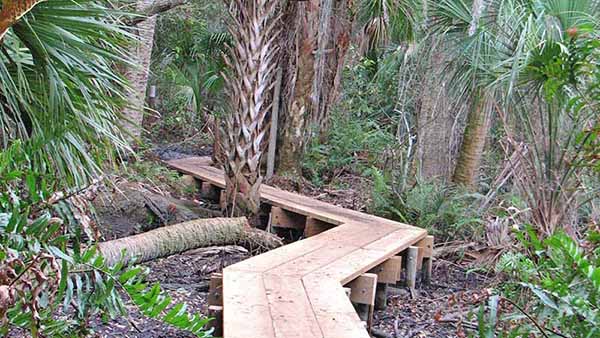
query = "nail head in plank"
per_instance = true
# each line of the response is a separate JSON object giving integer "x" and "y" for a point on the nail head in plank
{"x": 363, "y": 289}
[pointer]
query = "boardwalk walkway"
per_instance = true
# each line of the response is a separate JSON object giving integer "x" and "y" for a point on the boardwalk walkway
{"x": 297, "y": 290}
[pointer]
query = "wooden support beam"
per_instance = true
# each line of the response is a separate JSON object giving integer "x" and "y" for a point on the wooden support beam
{"x": 412, "y": 254}
{"x": 362, "y": 293}
{"x": 363, "y": 289}
{"x": 426, "y": 249}
{"x": 282, "y": 218}
{"x": 381, "y": 296}
{"x": 389, "y": 271}
{"x": 222, "y": 200}
{"x": 215, "y": 291}
{"x": 315, "y": 226}
{"x": 216, "y": 312}
{"x": 210, "y": 192}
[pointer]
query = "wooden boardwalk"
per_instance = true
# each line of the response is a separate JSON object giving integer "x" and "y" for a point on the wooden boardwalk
{"x": 298, "y": 290}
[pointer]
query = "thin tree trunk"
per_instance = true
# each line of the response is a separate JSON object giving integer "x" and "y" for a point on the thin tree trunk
{"x": 138, "y": 76}
{"x": 174, "y": 239}
{"x": 249, "y": 86}
{"x": 471, "y": 152}
{"x": 435, "y": 120}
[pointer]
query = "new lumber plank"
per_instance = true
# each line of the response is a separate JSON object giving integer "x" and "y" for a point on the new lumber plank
{"x": 292, "y": 313}
{"x": 245, "y": 306}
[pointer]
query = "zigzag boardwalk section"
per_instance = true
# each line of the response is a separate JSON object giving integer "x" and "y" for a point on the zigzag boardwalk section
{"x": 298, "y": 290}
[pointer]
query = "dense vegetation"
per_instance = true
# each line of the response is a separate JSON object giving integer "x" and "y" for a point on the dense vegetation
{"x": 477, "y": 120}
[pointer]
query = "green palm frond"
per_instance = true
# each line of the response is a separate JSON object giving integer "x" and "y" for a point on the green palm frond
{"x": 385, "y": 21}
{"x": 59, "y": 85}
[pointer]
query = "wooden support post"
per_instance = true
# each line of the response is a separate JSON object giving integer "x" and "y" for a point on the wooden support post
{"x": 387, "y": 272}
{"x": 315, "y": 226}
{"x": 216, "y": 312}
{"x": 210, "y": 192}
{"x": 363, "y": 293}
{"x": 286, "y": 219}
{"x": 223, "y": 200}
{"x": 426, "y": 253}
{"x": 274, "y": 122}
{"x": 412, "y": 254}
{"x": 215, "y": 291}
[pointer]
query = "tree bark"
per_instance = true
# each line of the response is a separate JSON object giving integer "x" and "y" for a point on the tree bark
{"x": 471, "y": 152}
{"x": 174, "y": 239}
{"x": 138, "y": 76}
{"x": 254, "y": 29}
{"x": 435, "y": 119}
{"x": 315, "y": 48}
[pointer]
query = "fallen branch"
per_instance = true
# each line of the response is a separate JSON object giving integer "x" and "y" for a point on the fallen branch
{"x": 174, "y": 239}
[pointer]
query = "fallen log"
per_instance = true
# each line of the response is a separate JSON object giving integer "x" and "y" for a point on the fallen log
{"x": 177, "y": 238}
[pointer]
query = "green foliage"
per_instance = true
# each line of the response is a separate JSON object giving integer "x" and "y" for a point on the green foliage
{"x": 59, "y": 85}
{"x": 187, "y": 66}
{"x": 362, "y": 129}
{"x": 557, "y": 281}
{"x": 353, "y": 145}
{"x": 52, "y": 282}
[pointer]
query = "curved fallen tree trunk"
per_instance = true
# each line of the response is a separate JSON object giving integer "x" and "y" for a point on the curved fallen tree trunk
{"x": 174, "y": 239}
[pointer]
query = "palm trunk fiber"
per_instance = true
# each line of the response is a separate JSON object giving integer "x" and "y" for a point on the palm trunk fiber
{"x": 174, "y": 239}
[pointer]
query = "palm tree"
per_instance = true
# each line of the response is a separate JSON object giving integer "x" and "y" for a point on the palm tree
{"x": 526, "y": 58}
{"x": 254, "y": 31}
{"x": 59, "y": 87}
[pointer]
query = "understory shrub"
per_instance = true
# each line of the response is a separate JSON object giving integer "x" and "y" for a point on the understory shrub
{"x": 52, "y": 279}
{"x": 552, "y": 289}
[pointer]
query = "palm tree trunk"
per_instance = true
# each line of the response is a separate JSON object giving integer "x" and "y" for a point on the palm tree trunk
{"x": 249, "y": 86}
{"x": 471, "y": 152}
{"x": 174, "y": 239}
{"x": 12, "y": 11}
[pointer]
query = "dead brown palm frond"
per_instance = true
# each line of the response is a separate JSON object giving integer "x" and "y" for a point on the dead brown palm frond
{"x": 254, "y": 29}
{"x": 12, "y": 11}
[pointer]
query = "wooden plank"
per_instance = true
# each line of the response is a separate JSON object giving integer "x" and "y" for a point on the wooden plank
{"x": 286, "y": 219}
{"x": 345, "y": 244}
{"x": 363, "y": 289}
{"x": 284, "y": 254}
{"x": 315, "y": 226}
{"x": 290, "y": 201}
{"x": 425, "y": 250}
{"x": 246, "y": 307}
{"x": 333, "y": 309}
{"x": 215, "y": 291}
{"x": 291, "y": 310}
{"x": 388, "y": 271}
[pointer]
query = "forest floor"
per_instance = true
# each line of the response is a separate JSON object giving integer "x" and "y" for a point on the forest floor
{"x": 441, "y": 309}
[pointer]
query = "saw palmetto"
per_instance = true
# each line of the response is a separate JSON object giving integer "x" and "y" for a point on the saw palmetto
{"x": 249, "y": 85}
